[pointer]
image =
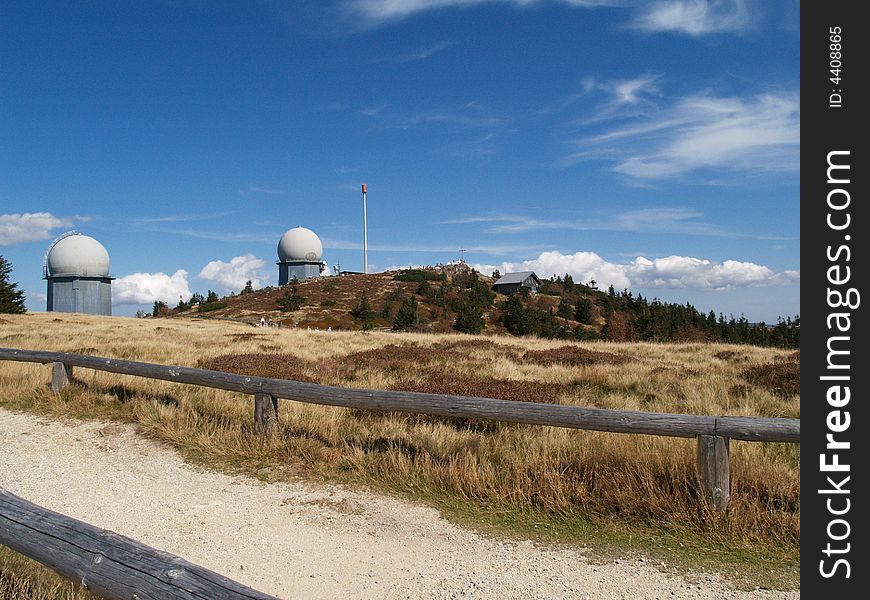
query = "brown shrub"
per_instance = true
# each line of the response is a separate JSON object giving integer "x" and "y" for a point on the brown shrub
{"x": 451, "y": 384}
{"x": 781, "y": 377}
{"x": 242, "y": 337}
{"x": 277, "y": 366}
{"x": 391, "y": 357}
{"x": 573, "y": 356}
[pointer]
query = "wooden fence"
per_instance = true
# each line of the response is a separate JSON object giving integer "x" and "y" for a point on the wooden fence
{"x": 105, "y": 563}
{"x": 713, "y": 434}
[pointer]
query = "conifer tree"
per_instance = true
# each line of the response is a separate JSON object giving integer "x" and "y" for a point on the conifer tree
{"x": 11, "y": 298}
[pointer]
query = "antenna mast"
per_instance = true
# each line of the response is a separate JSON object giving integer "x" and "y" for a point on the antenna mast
{"x": 365, "y": 234}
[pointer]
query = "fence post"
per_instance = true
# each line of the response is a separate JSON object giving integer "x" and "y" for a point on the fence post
{"x": 61, "y": 374}
{"x": 265, "y": 413}
{"x": 714, "y": 470}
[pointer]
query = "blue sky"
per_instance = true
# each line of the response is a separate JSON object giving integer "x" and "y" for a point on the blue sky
{"x": 652, "y": 145}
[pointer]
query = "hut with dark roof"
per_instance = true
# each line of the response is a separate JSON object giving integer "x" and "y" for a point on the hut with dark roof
{"x": 511, "y": 283}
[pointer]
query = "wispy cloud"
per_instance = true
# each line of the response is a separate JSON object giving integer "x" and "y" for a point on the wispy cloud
{"x": 17, "y": 228}
{"x": 438, "y": 117}
{"x": 473, "y": 131}
{"x": 621, "y": 92}
{"x": 417, "y": 54}
{"x": 688, "y": 17}
{"x": 378, "y": 12}
{"x": 184, "y": 218}
{"x": 674, "y": 220}
{"x": 670, "y": 272}
{"x": 481, "y": 248}
{"x": 695, "y": 17}
{"x": 628, "y": 91}
{"x": 373, "y": 110}
{"x": 259, "y": 189}
{"x": 223, "y": 236}
{"x": 472, "y": 115}
{"x": 759, "y": 134}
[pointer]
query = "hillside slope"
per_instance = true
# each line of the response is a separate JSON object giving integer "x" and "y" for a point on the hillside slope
{"x": 455, "y": 297}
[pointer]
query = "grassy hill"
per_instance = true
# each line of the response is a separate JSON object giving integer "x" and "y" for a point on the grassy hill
{"x": 329, "y": 301}
{"x": 455, "y": 298}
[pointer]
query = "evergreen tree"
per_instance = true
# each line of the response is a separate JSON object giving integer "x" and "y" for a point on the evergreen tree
{"x": 291, "y": 300}
{"x": 363, "y": 311}
{"x": 11, "y": 298}
{"x": 583, "y": 311}
{"x": 211, "y": 297}
{"x": 564, "y": 309}
{"x": 515, "y": 317}
{"x": 469, "y": 319}
{"x": 406, "y": 317}
{"x": 248, "y": 288}
{"x": 160, "y": 309}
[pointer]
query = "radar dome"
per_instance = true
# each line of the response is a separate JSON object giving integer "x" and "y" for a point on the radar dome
{"x": 78, "y": 255}
{"x": 300, "y": 244}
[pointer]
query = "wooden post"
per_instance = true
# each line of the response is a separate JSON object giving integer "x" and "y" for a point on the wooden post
{"x": 61, "y": 374}
{"x": 714, "y": 470}
{"x": 265, "y": 413}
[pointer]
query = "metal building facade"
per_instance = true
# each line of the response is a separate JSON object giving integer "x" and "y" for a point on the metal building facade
{"x": 79, "y": 294}
{"x": 299, "y": 270}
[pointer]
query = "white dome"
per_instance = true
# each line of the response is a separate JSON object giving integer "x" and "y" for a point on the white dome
{"x": 300, "y": 244}
{"x": 78, "y": 255}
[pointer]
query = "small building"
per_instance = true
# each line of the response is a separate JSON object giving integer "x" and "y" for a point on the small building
{"x": 299, "y": 256}
{"x": 511, "y": 283}
{"x": 76, "y": 268}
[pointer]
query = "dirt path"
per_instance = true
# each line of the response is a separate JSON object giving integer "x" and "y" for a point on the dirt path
{"x": 300, "y": 540}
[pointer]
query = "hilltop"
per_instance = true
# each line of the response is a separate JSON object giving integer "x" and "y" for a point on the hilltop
{"x": 456, "y": 298}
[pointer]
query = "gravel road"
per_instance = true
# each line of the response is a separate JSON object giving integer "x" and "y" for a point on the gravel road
{"x": 302, "y": 540}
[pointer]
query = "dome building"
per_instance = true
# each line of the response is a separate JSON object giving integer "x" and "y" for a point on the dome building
{"x": 299, "y": 255}
{"x": 76, "y": 268}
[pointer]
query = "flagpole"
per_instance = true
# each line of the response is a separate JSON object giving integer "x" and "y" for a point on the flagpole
{"x": 365, "y": 234}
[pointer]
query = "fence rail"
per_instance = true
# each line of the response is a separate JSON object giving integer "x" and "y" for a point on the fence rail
{"x": 105, "y": 563}
{"x": 713, "y": 434}
{"x": 754, "y": 429}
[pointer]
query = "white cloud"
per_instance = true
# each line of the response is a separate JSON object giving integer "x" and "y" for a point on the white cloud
{"x": 760, "y": 134}
{"x": 235, "y": 274}
{"x": 695, "y": 17}
{"x": 382, "y": 11}
{"x": 670, "y": 272}
{"x": 29, "y": 227}
{"x": 628, "y": 91}
{"x": 145, "y": 288}
{"x": 421, "y": 53}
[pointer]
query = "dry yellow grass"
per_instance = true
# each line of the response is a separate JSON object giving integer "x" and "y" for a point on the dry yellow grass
{"x": 22, "y": 578}
{"x": 551, "y": 478}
